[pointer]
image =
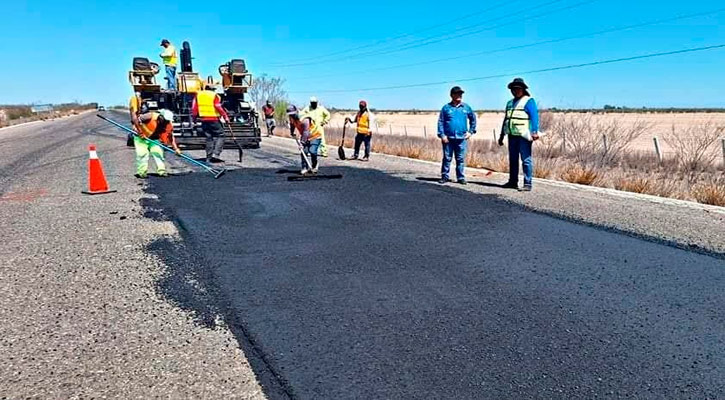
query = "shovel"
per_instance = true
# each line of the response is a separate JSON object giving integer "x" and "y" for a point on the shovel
{"x": 341, "y": 150}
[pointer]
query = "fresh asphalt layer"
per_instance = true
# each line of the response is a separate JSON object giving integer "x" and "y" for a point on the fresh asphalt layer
{"x": 377, "y": 285}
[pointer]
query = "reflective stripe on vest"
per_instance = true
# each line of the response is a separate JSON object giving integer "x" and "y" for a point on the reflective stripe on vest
{"x": 363, "y": 124}
{"x": 517, "y": 120}
{"x": 205, "y": 102}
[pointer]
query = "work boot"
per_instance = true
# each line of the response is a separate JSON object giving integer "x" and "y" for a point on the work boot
{"x": 525, "y": 188}
{"x": 443, "y": 180}
{"x": 510, "y": 185}
{"x": 354, "y": 157}
{"x": 141, "y": 176}
{"x": 462, "y": 182}
{"x": 304, "y": 171}
{"x": 366, "y": 158}
{"x": 216, "y": 160}
{"x": 314, "y": 170}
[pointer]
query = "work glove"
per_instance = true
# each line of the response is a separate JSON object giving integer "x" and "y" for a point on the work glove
{"x": 500, "y": 140}
{"x": 177, "y": 151}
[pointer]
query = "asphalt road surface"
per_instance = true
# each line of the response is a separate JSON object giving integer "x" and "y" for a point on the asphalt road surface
{"x": 379, "y": 285}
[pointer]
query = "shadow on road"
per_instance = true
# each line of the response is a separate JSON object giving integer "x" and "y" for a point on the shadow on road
{"x": 377, "y": 287}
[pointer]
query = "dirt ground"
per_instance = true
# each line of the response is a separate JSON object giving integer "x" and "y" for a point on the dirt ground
{"x": 425, "y": 123}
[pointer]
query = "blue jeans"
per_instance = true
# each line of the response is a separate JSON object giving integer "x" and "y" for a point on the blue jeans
{"x": 311, "y": 148}
{"x": 171, "y": 76}
{"x": 519, "y": 146}
{"x": 455, "y": 147}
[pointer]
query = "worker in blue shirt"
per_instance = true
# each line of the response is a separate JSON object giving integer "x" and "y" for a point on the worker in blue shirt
{"x": 456, "y": 124}
{"x": 521, "y": 124}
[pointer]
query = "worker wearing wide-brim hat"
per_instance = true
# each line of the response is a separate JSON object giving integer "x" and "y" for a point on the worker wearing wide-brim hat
{"x": 521, "y": 125}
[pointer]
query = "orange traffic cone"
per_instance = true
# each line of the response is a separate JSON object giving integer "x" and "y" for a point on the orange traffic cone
{"x": 96, "y": 178}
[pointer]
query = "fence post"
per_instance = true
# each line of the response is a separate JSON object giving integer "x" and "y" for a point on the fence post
{"x": 722, "y": 142}
{"x": 563, "y": 142}
{"x": 494, "y": 134}
{"x": 606, "y": 145}
{"x": 405, "y": 128}
{"x": 657, "y": 149}
{"x": 391, "y": 128}
{"x": 425, "y": 132}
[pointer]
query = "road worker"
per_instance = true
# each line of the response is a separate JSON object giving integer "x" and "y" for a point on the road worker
{"x": 268, "y": 111}
{"x": 168, "y": 56}
{"x": 521, "y": 124}
{"x": 365, "y": 122}
{"x": 207, "y": 107}
{"x": 456, "y": 124}
{"x": 310, "y": 137}
{"x": 135, "y": 108}
{"x": 155, "y": 125}
{"x": 321, "y": 117}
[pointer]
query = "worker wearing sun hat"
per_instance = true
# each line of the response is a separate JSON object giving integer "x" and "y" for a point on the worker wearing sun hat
{"x": 521, "y": 124}
{"x": 365, "y": 122}
{"x": 310, "y": 138}
{"x": 321, "y": 117}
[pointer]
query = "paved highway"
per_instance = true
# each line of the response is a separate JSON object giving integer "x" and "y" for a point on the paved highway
{"x": 379, "y": 285}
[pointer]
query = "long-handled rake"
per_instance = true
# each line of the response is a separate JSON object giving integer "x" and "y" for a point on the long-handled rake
{"x": 216, "y": 172}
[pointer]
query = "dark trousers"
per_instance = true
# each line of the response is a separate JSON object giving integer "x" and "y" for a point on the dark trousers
{"x": 360, "y": 139}
{"x": 214, "y": 133}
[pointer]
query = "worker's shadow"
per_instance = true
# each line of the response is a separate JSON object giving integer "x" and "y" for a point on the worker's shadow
{"x": 485, "y": 184}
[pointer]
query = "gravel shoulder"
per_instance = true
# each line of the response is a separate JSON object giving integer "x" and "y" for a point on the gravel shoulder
{"x": 82, "y": 299}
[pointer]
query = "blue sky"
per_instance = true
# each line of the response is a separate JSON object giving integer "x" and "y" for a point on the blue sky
{"x": 57, "y": 51}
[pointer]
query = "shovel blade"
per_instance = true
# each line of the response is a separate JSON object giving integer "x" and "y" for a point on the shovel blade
{"x": 341, "y": 153}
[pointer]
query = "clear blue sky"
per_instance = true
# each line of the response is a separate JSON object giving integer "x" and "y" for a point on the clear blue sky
{"x": 55, "y": 51}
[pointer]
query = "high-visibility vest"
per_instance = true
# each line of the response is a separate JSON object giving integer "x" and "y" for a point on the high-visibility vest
{"x": 314, "y": 129}
{"x": 170, "y": 60}
{"x": 205, "y": 103}
{"x": 149, "y": 130}
{"x": 517, "y": 121}
{"x": 363, "y": 123}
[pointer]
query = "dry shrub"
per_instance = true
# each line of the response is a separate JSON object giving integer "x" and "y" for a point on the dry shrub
{"x": 694, "y": 148}
{"x": 580, "y": 175}
{"x": 710, "y": 192}
{"x": 585, "y": 137}
{"x": 635, "y": 185}
{"x": 544, "y": 168}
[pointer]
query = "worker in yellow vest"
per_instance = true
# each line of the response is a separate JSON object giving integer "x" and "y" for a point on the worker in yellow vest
{"x": 155, "y": 125}
{"x": 310, "y": 137}
{"x": 365, "y": 122}
{"x": 322, "y": 117}
{"x": 168, "y": 55}
{"x": 135, "y": 108}
{"x": 207, "y": 107}
{"x": 521, "y": 125}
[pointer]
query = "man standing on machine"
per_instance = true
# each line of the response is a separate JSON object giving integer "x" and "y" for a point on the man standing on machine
{"x": 168, "y": 55}
{"x": 207, "y": 107}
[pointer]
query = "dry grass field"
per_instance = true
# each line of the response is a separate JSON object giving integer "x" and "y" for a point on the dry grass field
{"x": 574, "y": 150}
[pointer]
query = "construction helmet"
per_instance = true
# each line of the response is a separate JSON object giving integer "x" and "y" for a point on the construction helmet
{"x": 167, "y": 114}
{"x": 313, "y": 99}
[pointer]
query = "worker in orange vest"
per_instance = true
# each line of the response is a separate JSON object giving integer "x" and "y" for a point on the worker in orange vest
{"x": 207, "y": 107}
{"x": 155, "y": 125}
{"x": 310, "y": 137}
{"x": 365, "y": 122}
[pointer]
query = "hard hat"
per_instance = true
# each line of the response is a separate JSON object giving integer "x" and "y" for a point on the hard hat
{"x": 167, "y": 114}
{"x": 313, "y": 99}
{"x": 292, "y": 109}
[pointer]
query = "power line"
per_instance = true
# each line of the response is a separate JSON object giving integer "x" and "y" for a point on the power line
{"x": 383, "y": 41}
{"x": 417, "y": 43}
{"x": 505, "y": 49}
{"x": 536, "y": 71}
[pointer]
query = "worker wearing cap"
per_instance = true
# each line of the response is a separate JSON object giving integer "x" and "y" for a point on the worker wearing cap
{"x": 168, "y": 55}
{"x": 321, "y": 117}
{"x": 456, "y": 124}
{"x": 521, "y": 124}
{"x": 207, "y": 107}
{"x": 268, "y": 111}
{"x": 310, "y": 137}
{"x": 365, "y": 122}
{"x": 156, "y": 125}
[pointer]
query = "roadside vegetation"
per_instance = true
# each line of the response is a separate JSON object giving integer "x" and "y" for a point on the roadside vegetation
{"x": 14, "y": 114}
